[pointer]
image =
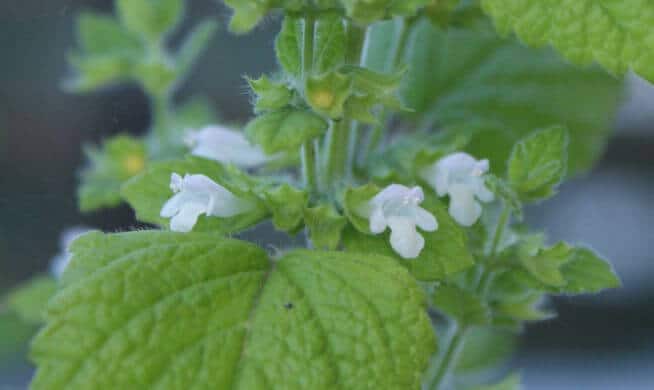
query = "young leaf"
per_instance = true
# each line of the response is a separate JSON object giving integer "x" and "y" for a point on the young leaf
{"x": 527, "y": 310}
{"x": 103, "y": 35}
{"x": 329, "y": 44}
{"x": 120, "y": 158}
{"x": 545, "y": 266}
{"x": 465, "y": 307}
{"x": 28, "y": 301}
{"x": 587, "y": 273}
{"x": 288, "y": 45}
{"x": 325, "y": 226}
{"x": 286, "y": 205}
{"x": 616, "y": 34}
{"x": 502, "y": 90}
{"x": 445, "y": 252}
{"x": 538, "y": 163}
{"x": 503, "y": 191}
{"x": 149, "y": 191}
{"x": 201, "y": 311}
{"x": 270, "y": 95}
{"x": 285, "y": 130}
{"x": 247, "y": 14}
{"x": 151, "y": 19}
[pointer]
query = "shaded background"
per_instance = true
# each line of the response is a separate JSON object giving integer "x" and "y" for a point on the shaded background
{"x": 600, "y": 342}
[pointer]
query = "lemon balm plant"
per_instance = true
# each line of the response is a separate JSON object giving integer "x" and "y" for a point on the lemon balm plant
{"x": 401, "y": 139}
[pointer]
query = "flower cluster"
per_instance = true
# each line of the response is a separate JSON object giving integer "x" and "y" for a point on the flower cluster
{"x": 397, "y": 207}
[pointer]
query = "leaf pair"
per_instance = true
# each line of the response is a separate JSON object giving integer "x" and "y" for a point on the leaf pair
{"x": 321, "y": 320}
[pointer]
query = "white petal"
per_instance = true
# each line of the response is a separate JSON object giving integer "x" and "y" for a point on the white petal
{"x": 227, "y": 146}
{"x": 483, "y": 193}
{"x": 377, "y": 221}
{"x": 187, "y": 217}
{"x": 425, "y": 220}
{"x": 172, "y": 206}
{"x": 392, "y": 192}
{"x": 176, "y": 182}
{"x": 405, "y": 240}
{"x": 225, "y": 205}
{"x": 465, "y": 211}
{"x": 441, "y": 180}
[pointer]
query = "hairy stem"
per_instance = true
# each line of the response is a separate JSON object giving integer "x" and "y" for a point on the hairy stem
{"x": 378, "y": 132}
{"x": 309, "y": 173}
{"x": 339, "y": 150}
{"x": 438, "y": 375}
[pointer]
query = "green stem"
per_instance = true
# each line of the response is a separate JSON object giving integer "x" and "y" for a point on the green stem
{"x": 339, "y": 136}
{"x": 309, "y": 166}
{"x": 499, "y": 230}
{"x": 449, "y": 359}
{"x": 379, "y": 131}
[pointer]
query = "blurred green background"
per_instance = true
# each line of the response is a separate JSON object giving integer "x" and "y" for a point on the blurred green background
{"x": 601, "y": 342}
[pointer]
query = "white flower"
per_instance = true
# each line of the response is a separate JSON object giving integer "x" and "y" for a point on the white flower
{"x": 224, "y": 145}
{"x": 397, "y": 207}
{"x": 461, "y": 177}
{"x": 59, "y": 263}
{"x": 196, "y": 195}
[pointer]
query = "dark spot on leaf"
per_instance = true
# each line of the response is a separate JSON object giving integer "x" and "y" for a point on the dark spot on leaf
{"x": 289, "y": 305}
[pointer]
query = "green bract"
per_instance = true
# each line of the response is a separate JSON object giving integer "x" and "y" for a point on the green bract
{"x": 285, "y": 130}
{"x": 321, "y": 320}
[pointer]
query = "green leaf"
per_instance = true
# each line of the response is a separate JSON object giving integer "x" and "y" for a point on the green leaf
{"x": 545, "y": 265}
{"x": 527, "y": 310}
{"x": 194, "y": 45}
{"x": 151, "y": 19}
{"x": 616, "y": 34}
{"x": 586, "y": 273}
{"x": 485, "y": 348}
{"x": 95, "y": 72}
{"x": 169, "y": 310}
{"x": 502, "y": 90}
{"x": 445, "y": 252}
{"x": 356, "y": 199}
{"x": 538, "y": 163}
{"x": 271, "y": 95}
{"x": 284, "y": 130}
{"x": 329, "y": 44}
{"x": 327, "y": 94}
{"x": 465, "y": 307}
{"x": 120, "y": 158}
{"x": 103, "y": 35}
{"x": 325, "y": 226}
{"x": 288, "y": 45}
{"x": 512, "y": 382}
{"x": 28, "y": 301}
{"x": 287, "y": 204}
{"x": 149, "y": 191}
{"x": 247, "y": 14}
